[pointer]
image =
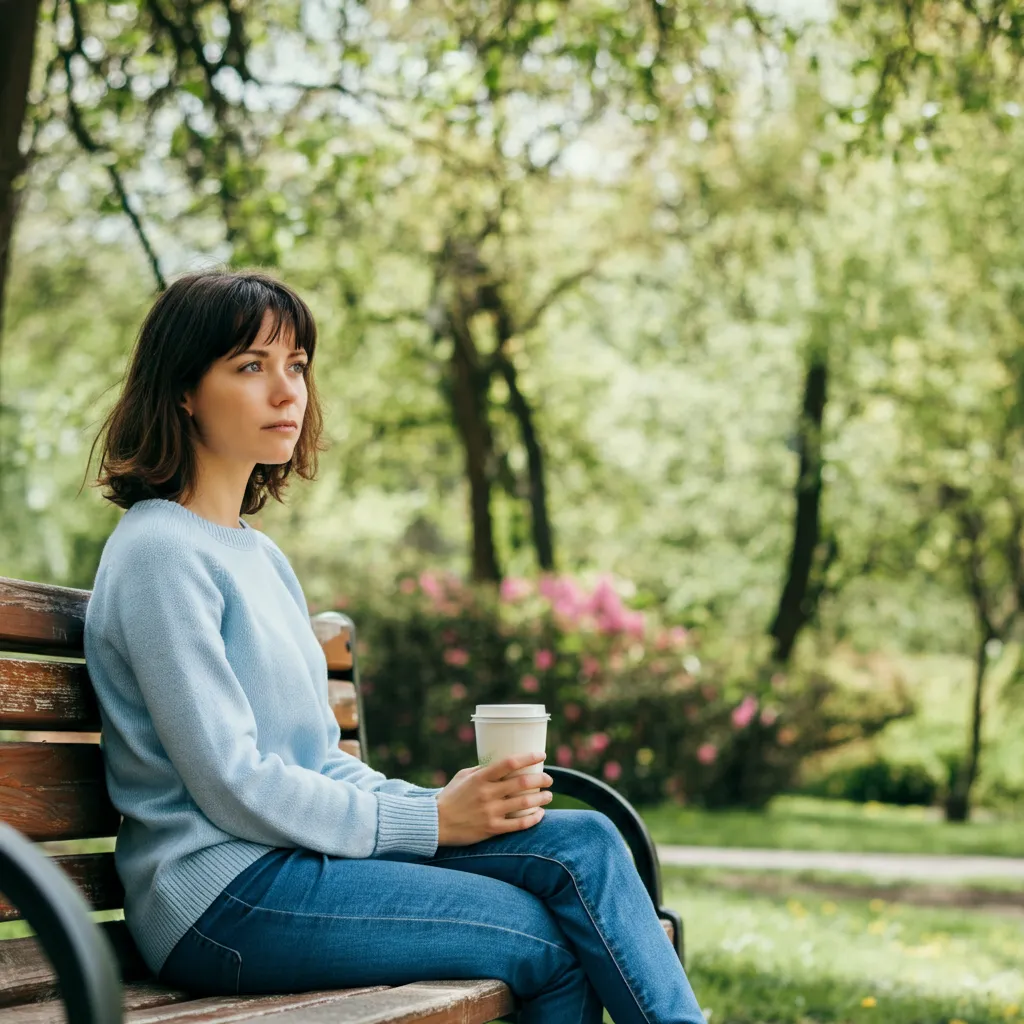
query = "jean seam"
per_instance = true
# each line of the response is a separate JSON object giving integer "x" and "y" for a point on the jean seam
{"x": 237, "y": 955}
{"x": 568, "y": 871}
{"x": 423, "y": 920}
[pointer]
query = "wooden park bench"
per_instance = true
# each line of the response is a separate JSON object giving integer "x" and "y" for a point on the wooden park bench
{"x": 53, "y": 793}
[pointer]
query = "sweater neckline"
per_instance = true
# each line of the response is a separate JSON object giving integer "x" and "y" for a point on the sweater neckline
{"x": 243, "y": 538}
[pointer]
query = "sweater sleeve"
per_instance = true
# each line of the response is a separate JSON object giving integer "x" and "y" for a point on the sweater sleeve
{"x": 168, "y": 624}
{"x": 340, "y": 765}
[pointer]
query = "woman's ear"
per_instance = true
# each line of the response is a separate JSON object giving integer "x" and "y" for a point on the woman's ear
{"x": 186, "y": 403}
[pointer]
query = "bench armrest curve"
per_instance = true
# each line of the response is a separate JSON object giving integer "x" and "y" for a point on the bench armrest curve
{"x": 53, "y": 907}
{"x": 599, "y": 795}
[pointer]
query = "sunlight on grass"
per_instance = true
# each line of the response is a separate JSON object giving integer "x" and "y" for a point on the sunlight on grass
{"x": 805, "y": 823}
{"x": 757, "y": 958}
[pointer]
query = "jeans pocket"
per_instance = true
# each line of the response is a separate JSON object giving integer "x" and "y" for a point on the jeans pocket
{"x": 202, "y": 966}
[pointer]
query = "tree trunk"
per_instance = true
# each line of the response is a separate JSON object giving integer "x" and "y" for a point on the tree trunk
{"x": 17, "y": 47}
{"x": 541, "y": 523}
{"x": 958, "y": 803}
{"x": 469, "y": 403}
{"x": 798, "y": 600}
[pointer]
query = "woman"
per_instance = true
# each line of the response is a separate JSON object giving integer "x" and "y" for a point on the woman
{"x": 255, "y": 855}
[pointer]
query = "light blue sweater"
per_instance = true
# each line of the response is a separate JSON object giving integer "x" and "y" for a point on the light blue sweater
{"x": 217, "y": 735}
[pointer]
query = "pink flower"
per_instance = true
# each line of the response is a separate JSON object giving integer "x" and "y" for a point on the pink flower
{"x": 563, "y": 755}
{"x": 514, "y": 589}
{"x": 769, "y": 716}
{"x": 441, "y": 724}
{"x": 466, "y": 733}
{"x": 458, "y": 691}
{"x": 440, "y": 778}
{"x": 744, "y": 712}
{"x": 612, "y": 771}
{"x": 529, "y": 684}
{"x": 571, "y": 712}
{"x": 407, "y": 586}
{"x": 431, "y": 585}
{"x": 456, "y": 656}
{"x": 599, "y": 742}
{"x": 590, "y": 666}
{"x": 544, "y": 659}
{"x": 449, "y": 636}
{"x": 706, "y": 753}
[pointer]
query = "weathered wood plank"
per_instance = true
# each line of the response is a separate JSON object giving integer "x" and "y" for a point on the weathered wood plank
{"x": 93, "y": 873}
{"x": 141, "y": 996}
{"x": 342, "y": 697}
{"x": 39, "y": 619}
{"x": 47, "y": 695}
{"x": 151, "y": 1003}
{"x": 26, "y": 975}
{"x": 427, "y": 1002}
{"x": 225, "y": 1009}
{"x": 55, "y": 791}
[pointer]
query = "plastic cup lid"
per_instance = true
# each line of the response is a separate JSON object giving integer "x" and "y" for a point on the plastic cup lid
{"x": 511, "y": 711}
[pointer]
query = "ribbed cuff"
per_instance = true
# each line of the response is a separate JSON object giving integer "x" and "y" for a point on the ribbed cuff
{"x": 406, "y": 824}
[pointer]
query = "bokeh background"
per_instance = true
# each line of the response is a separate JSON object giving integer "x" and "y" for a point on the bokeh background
{"x": 672, "y": 355}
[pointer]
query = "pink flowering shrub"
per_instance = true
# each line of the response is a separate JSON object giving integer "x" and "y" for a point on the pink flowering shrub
{"x": 632, "y": 701}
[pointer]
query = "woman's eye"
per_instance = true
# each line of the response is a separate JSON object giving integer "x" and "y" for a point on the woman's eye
{"x": 302, "y": 366}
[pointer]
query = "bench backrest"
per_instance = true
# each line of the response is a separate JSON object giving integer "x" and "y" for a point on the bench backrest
{"x": 52, "y": 783}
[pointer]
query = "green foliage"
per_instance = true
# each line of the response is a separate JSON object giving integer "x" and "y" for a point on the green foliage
{"x": 880, "y": 781}
{"x": 632, "y": 701}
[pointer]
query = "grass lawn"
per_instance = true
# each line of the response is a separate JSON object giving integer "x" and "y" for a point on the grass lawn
{"x": 754, "y": 957}
{"x": 806, "y": 823}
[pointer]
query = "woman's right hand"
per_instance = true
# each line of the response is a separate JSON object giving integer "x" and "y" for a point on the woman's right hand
{"x": 472, "y": 807}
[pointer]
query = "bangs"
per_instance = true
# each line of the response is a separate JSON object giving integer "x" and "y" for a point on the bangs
{"x": 249, "y": 300}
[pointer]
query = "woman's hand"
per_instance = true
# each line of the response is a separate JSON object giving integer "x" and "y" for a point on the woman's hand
{"x": 472, "y": 807}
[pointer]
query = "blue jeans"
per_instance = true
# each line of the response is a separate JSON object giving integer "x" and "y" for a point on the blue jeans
{"x": 556, "y": 911}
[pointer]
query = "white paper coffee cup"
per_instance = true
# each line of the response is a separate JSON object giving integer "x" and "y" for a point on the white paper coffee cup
{"x": 503, "y": 730}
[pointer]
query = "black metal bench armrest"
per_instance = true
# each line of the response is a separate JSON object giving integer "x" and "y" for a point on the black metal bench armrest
{"x": 601, "y": 796}
{"x": 55, "y": 910}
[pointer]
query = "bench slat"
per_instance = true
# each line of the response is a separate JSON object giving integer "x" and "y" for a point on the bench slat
{"x": 55, "y": 791}
{"x": 151, "y": 1003}
{"x": 39, "y": 619}
{"x": 93, "y": 873}
{"x": 222, "y": 1009}
{"x": 338, "y": 651}
{"x": 26, "y": 975}
{"x": 140, "y": 996}
{"x": 47, "y": 695}
{"x": 428, "y": 1002}
{"x": 342, "y": 697}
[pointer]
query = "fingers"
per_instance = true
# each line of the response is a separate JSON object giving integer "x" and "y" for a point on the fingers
{"x": 499, "y": 769}
{"x": 518, "y": 824}
{"x": 509, "y": 787}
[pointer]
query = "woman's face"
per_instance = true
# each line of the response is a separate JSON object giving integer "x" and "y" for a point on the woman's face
{"x": 240, "y": 398}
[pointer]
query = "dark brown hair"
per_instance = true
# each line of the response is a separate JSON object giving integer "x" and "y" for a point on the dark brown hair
{"x": 147, "y": 449}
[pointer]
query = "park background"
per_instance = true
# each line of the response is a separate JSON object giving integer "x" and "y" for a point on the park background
{"x": 672, "y": 356}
